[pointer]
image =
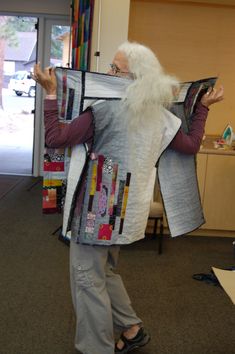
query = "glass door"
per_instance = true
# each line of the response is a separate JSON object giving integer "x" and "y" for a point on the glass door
{"x": 18, "y": 52}
{"x": 54, "y": 43}
{"x": 57, "y": 43}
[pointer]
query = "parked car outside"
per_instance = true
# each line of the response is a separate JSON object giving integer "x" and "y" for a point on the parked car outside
{"x": 21, "y": 82}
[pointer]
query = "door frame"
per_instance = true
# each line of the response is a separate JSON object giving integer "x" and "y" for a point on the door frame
{"x": 43, "y": 50}
{"x": 44, "y": 44}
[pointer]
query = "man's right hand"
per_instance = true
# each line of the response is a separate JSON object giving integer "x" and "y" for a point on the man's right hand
{"x": 46, "y": 78}
{"x": 212, "y": 96}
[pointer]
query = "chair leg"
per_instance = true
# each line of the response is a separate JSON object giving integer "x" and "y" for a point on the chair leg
{"x": 160, "y": 237}
{"x": 155, "y": 228}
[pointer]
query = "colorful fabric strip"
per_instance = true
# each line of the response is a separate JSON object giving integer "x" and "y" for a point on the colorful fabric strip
{"x": 52, "y": 199}
{"x": 54, "y": 166}
{"x": 113, "y": 188}
{"x": 49, "y": 198}
{"x": 93, "y": 187}
{"x": 52, "y": 182}
{"x": 102, "y": 203}
{"x": 90, "y": 224}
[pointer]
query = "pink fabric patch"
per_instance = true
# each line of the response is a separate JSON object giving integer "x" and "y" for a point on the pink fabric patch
{"x": 105, "y": 232}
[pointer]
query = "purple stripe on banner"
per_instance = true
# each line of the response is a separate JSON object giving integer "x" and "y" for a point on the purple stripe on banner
{"x": 102, "y": 203}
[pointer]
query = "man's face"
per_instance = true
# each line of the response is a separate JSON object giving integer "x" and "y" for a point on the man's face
{"x": 119, "y": 66}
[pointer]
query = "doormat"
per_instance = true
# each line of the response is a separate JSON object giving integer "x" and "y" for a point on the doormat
{"x": 8, "y": 183}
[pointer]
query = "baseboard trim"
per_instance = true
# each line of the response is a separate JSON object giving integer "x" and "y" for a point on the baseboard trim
{"x": 199, "y": 232}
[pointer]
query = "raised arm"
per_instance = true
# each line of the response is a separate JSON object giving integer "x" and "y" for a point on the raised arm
{"x": 190, "y": 143}
{"x": 58, "y": 135}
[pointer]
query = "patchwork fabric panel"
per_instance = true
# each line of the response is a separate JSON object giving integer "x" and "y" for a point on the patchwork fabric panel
{"x": 107, "y": 199}
{"x": 54, "y": 181}
{"x": 53, "y": 195}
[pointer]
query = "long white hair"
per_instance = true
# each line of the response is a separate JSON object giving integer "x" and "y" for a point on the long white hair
{"x": 151, "y": 87}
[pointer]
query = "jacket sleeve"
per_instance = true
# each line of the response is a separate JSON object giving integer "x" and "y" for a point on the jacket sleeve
{"x": 60, "y": 135}
{"x": 189, "y": 143}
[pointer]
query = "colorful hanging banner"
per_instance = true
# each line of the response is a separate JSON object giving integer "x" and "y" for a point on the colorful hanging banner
{"x": 82, "y": 19}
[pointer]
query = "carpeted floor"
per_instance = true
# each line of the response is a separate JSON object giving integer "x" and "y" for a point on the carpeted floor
{"x": 184, "y": 316}
{"x": 8, "y": 183}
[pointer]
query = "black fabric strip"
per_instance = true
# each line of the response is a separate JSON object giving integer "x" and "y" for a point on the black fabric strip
{"x": 82, "y": 92}
{"x": 112, "y": 220}
{"x": 121, "y": 226}
{"x": 70, "y": 104}
{"x": 90, "y": 202}
{"x": 128, "y": 178}
{"x": 101, "y": 98}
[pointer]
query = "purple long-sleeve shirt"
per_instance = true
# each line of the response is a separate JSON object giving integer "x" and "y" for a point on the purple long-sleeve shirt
{"x": 81, "y": 130}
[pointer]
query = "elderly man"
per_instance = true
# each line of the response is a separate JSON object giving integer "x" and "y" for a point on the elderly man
{"x": 125, "y": 140}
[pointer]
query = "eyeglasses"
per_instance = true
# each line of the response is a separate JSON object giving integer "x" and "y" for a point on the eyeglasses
{"x": 116, "y": 71}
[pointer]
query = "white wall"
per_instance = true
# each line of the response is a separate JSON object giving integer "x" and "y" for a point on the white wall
{"x": 53, "y": 7}
{"x": 110, "y": 29}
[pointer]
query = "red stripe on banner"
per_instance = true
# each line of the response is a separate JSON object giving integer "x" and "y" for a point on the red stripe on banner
{"x": 54, "y": 166}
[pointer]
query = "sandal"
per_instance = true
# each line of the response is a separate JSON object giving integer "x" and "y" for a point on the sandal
{"x": 141, "y": 339}
{"x": 208, "y": 278}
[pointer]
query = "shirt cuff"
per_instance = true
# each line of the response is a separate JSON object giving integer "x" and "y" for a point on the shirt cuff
{"x": 202, "y": 105}
{"x": 51, "y": 97}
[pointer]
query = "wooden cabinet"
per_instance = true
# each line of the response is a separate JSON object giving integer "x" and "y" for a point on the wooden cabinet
{"x": 216, "y": 177}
